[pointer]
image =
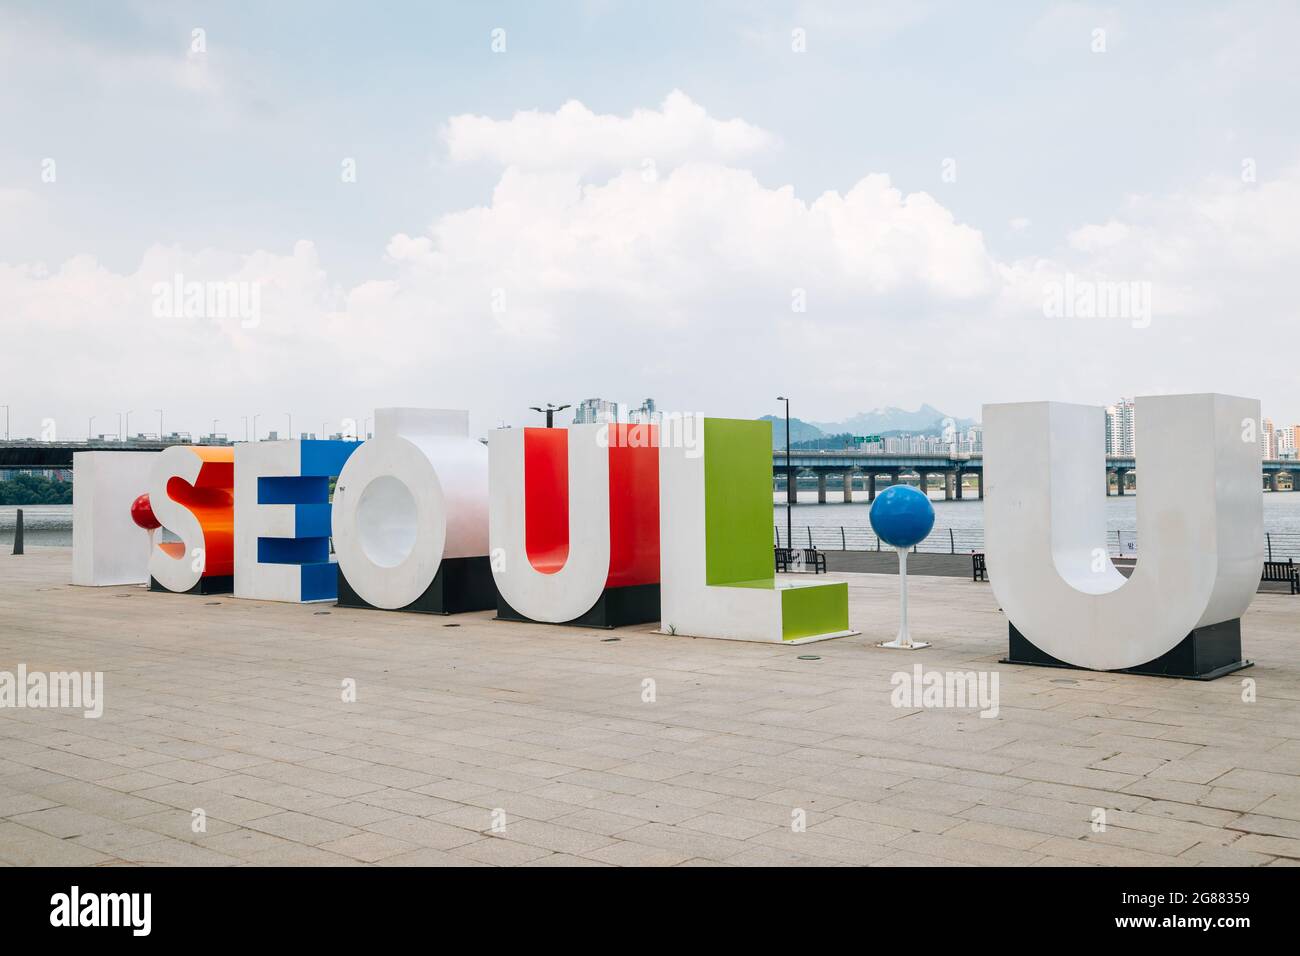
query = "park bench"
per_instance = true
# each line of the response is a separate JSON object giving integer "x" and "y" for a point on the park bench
{"x": 1282, "y": 571}
{"x": 978, "y": 572}
{"x": 808, "y": 560}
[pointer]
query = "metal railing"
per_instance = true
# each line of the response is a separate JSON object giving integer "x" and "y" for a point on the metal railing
{"x": 1278, "y": 545}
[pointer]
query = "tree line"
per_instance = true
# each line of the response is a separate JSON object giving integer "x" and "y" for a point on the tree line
{"x": 35, "y": 490}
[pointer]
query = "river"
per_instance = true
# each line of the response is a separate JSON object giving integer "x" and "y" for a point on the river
{"x": 51, "y": 525}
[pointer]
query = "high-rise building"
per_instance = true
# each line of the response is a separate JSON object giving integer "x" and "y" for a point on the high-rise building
{"x": 1267, "y": 440}
{"x": 598, "y": 411}
{"x": 1285, "y": 441}
{"x": 1120, "y": 432}
{"x": 594, "y": 411}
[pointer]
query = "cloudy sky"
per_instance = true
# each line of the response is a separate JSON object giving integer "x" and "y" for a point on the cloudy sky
{"x": 501, "y": 204}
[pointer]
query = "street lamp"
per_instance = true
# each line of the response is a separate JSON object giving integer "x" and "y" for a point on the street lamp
{"x": 90, "y": 428}
{"x": 549, "y": 411}
{"x": 255, "y": 417}
{"x": 289, "y": 415}
{"x": 160, "y": 424}
{"x": 128, "y": 421}
{"x": 214, "y": 428}
{"x": 789, "y": 474}
{"x": 6, "y": 422}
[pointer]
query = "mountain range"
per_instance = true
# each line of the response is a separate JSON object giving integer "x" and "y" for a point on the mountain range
{"x": 926, "y": 420}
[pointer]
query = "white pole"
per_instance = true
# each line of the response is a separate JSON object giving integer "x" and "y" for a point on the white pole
{"x": 904, "y": 639}
{"x": 152, "y": 532}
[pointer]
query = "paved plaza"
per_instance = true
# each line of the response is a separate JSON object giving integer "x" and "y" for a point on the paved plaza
{"x": 226, "y": 739}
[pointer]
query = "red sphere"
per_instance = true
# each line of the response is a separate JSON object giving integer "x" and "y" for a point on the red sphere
{"x": 142, "y": 514}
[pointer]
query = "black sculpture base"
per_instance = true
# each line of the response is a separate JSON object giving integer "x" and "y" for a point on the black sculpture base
{"x": 461, "y": 584}
{"x": 1205, "y": 654}
{"x": 219, "y": 584}
{"x": 616, "y": 607}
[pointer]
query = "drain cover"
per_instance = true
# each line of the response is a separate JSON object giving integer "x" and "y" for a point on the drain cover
{"x": 809, "y": 657}
{"x": 608, "y": 640}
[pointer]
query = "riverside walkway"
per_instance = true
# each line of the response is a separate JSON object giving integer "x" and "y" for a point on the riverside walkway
{"x": 477, "y": 742}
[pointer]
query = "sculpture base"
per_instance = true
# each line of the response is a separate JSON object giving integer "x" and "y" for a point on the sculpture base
{"x": 1205, "y": 654}
{"x": 461, "y": 585}
{"x": 616, "y": 607}
{"x": 217, "y": 584}
{"x": 897, "y": 645}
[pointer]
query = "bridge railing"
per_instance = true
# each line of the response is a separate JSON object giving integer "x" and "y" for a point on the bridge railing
{"x": 1278, "y": 545}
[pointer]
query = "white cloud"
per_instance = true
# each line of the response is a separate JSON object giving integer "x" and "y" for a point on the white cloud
{"x": 1091, "y": 238}
{"x": 679, "y": 286}
{"x": 574, "y": 138}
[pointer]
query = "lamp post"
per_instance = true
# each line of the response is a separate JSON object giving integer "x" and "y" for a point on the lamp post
{"x": 289, "y": 415}
{"x": 789, "y": 474}
{"x": 160, "y": 423}
{"x": 549, "y": 411}
{"x": 90, "y": 428}
{"x": 214, "y": 428}
{"x": 255, "y": 417}
{"x": 6, "y": 422}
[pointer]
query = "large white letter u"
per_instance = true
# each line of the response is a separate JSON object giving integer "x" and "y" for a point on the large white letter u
{"x": 1200, "y": 525}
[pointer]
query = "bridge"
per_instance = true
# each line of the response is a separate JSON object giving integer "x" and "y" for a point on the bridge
{"x": 25, "y": 454}
{"x": 862, "y": 468}
{"x": 859, "y": 468}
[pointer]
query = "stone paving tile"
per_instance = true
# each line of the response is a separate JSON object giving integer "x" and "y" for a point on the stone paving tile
{"x": 1091, "y": 851}
{"x": 1273, "y": 845}
{"x": 501, "y": 852}
{"x": 967, "y": 851}
{"x": 238, "y": 713}
{"x": 426, "y": 856}
{"x": 775, "y": 856}
{"x": 552, "y": 836}
{"x": 862, "y": 831}
{"x": 424, "y": 833}
{"x": 167, "y": 852}
{"x": 694, "y": 843}
{"x": 23, "y": 846}
{"x": 63, "y": 822}
{"x": 301, "y": 827}
{"x": 368, "y": 847}
{"x": 628, "y": 853}
{"x": 117, "y": 837}
{"x": 723, "y": 825}
{"x": 564, "y": 859}
{"x": 826, "y": 847}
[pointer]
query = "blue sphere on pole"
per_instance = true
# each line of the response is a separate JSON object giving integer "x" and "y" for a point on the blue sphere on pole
{"x": 902, "y": 516}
